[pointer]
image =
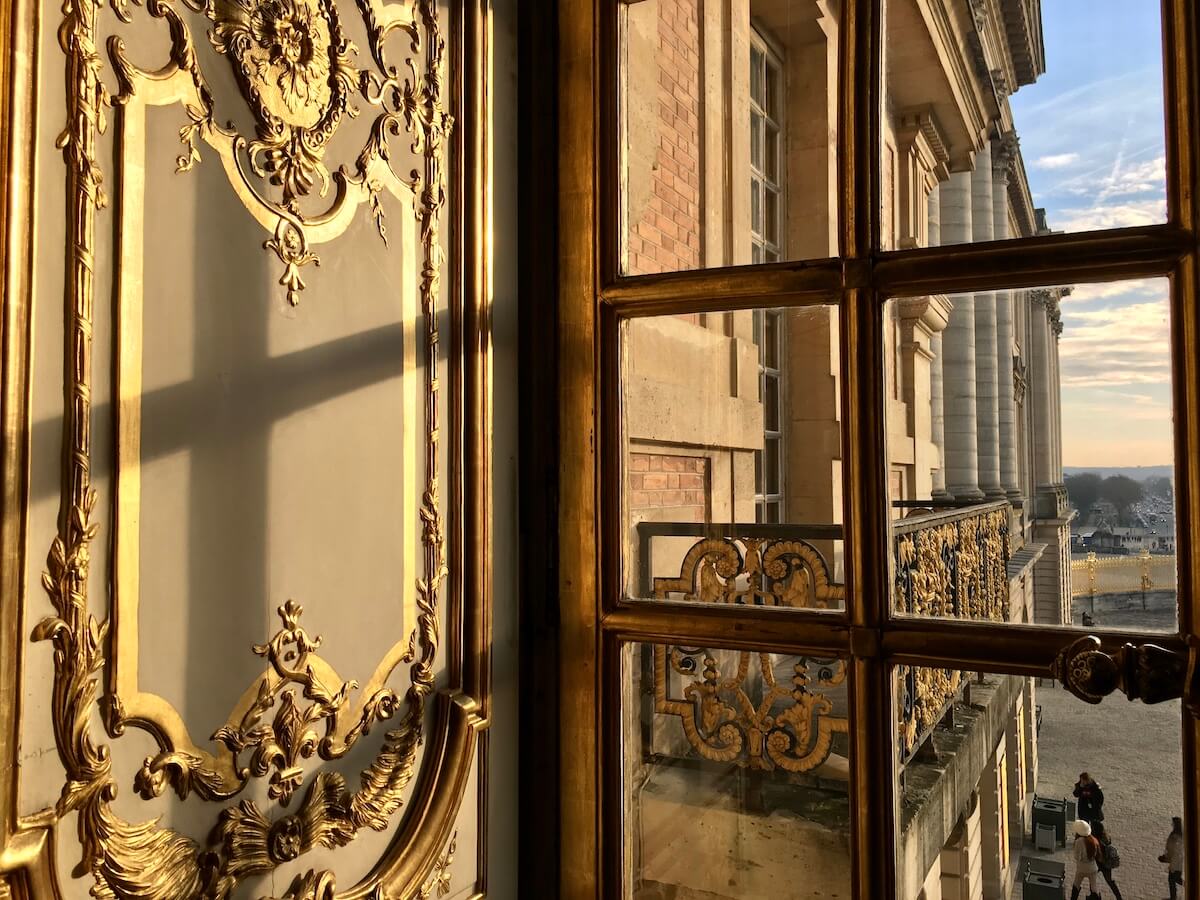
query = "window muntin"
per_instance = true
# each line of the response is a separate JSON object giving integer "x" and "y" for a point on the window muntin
{"x": 866, "y": 280}
{"x": 770, "y": 462}
{"x": 766, "y": 133}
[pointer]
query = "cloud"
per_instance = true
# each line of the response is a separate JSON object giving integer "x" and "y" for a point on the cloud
{"x": 1111, "y": 215}
{"x": 1145, "y": 288}
{"x": 1114, "y": 346}
{"x": 1143, "y": 177}
{"x": 1056, "y": 161}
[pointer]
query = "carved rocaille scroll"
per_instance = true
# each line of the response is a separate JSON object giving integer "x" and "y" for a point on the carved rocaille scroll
{"x": 300, "y": 77}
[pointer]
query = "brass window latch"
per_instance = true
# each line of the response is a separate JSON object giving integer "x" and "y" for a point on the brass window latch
{"x": 1146, "y": 672}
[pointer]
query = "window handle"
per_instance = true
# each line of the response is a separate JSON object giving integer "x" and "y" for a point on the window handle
{"x": 1145, "y": 672}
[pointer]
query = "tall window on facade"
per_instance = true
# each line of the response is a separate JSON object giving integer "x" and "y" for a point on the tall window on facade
{"x": 769, "y": 462}
{"x": 766, "y": 133}
{"x": 766, "y": 209}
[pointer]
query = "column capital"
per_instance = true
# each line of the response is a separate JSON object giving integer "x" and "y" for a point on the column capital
{"x": 1004, "y": 154}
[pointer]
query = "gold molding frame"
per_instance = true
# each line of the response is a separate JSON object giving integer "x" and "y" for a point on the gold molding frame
{"x": 141, "y": 859}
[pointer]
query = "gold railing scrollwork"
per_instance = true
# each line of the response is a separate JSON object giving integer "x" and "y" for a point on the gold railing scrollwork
{"x": 731, "y": 706}
{"x": 949, "y": 564}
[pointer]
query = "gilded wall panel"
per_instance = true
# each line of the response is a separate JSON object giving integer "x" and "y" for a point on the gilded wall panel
{"x": 255, "y": 576}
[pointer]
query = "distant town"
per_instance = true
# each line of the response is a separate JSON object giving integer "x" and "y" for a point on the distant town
{"x": 1122, "y": 511}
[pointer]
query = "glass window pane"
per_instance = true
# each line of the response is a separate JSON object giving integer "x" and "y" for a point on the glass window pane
{"x": 771, "y": 338}
{"x": 756, "y": 219}
{"x": 704, "y": 452}
{"x": 696, "y": 81}
{"x": 771, "y": 216}
{"x": 1035, "y": 432}
{"x": 771, "y": 101}
{"x": 757, "y": 91}
{"x": 1041, "y": 117}
{"x": 771, "y": 465}
{"x": 770, "y": 165}
{"x": 771, "y": 404}
{"x": 736, "y": 775}
{"x": 756, "y": 140}
{"x": 990, "y": 785}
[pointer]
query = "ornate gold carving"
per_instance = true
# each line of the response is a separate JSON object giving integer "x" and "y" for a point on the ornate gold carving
{"x": 279, "y": 48}
{"x": 947, "y": 565}
{"x": 313, "y": 885}
{"x": 785, "y": 726}
{"x": 925, "y": 695}
{"x": 438, "y": 884}
{"x": 954, "y": 564}
{"x": 290, "y": 737}
{"x": 789, "y": 727}
{"x": 768, "y": 572}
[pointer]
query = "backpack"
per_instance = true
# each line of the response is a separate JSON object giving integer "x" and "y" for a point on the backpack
{"x": 1112, "y": 858}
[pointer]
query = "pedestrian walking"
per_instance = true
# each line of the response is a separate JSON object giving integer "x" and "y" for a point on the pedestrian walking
{"x": 1108, "y": 859}
{"x": 1090, "y": 807}
{"x": 1085, "y": 851}
{"x": 1173, "y": 857}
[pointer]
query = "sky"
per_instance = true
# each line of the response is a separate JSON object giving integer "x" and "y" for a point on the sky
{"x": 1091, "y": 132}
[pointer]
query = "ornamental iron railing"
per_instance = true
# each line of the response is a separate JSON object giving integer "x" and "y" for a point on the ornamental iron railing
{"x": 743, "y": 707}
{"x": 1094, "y": 575}
{"x": 756, "y": 710}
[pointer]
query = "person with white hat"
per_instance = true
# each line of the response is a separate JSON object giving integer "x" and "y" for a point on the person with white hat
{"x": 1086, "y": 850}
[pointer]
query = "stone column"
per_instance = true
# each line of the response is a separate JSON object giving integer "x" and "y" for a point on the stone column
{"x": 1039, "y": 390}
{"x": 958, "y": 353}
{"x": 986, "y": 400}
{"x": 1002, "y": 156}
{"x": 937, "y": 419}
{"x": 1056, "y": 391}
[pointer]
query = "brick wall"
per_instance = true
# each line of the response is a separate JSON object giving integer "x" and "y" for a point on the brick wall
{"x": 667, "y": 238}
{"x": 657, "y": 481}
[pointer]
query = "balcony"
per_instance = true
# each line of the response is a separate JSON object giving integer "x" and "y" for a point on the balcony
{"x": 949, "y": 563}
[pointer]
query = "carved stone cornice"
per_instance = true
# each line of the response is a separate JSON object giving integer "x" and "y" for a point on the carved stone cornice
{"x": 932, "y": 312}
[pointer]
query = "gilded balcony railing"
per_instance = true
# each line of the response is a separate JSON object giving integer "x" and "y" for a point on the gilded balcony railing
{"x": 756, "y": 710}
{"x": 951, "y": 563}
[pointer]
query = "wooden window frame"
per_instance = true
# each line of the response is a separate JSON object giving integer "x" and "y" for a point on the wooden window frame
{"x": 591, "y": 618}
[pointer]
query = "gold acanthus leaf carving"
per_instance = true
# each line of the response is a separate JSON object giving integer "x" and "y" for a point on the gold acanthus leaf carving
{"x": 438, "y": 884}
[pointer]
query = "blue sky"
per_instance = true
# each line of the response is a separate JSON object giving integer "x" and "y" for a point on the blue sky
{"x": 1091, "y": 131}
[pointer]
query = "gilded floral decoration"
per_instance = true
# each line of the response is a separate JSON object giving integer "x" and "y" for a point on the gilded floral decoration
{"x": 298, "y": 74}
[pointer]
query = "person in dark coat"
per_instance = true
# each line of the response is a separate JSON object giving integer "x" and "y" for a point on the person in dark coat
{"x": 1106, "y": 857}
{"x": 1091, "y": 799}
